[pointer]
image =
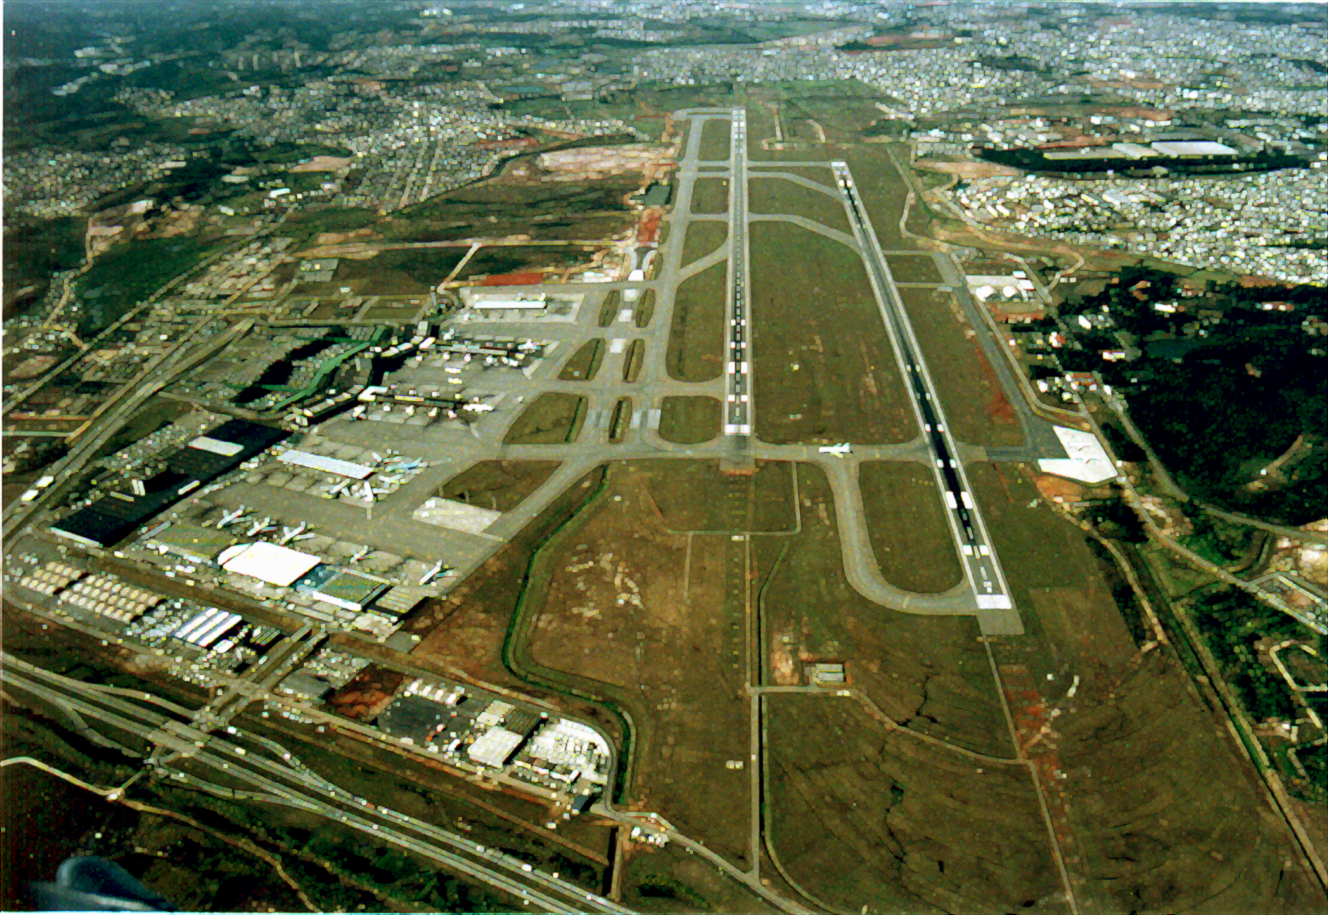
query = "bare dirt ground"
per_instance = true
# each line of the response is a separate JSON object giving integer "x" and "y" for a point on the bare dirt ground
{"x": 632, "y": 606}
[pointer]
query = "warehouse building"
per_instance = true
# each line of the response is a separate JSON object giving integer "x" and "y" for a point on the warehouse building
{"x": 113, "y": 517}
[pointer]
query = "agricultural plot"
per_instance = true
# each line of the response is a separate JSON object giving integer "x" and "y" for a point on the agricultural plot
{"x": 862, "y": 816}
{"x": 782, "y": 197}
{"x": 974, "y": 401}
{"x": 824, "y": 369}
{"x": 689, "y": 420}
{"x": 906, "y": 521}
{"x": 551, "y": 419}
{"x": 696, "y": 335}
{"x": 702, "y": 238}
{"x": 497, "y": 485}
{"x": 928, "y": 673}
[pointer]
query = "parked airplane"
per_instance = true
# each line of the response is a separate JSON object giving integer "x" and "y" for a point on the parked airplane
{"x": 477, "y": 407}
{"x": 529, "y": 346}
{"x": 232, "y": 517}
{"x": 839, "y": 450}
{"x": 289, "y": 534}
{"x": 338, "y": 487}
{"x": 360, "y": 554}
{"x": 433, "y": 573}
{"x": 261, "y": 527}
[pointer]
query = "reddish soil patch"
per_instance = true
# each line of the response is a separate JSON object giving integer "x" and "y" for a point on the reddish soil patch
{"x": 513, "y": 279}
{"x": 365, "y": 697}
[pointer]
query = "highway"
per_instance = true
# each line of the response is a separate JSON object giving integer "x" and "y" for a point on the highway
{"x": 285, "y": 781}
{"x": 981, "y": 565}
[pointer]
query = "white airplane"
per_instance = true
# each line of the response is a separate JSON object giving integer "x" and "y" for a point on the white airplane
{"x": 232, "y": 517}
{"x": 261, "y": 527}
{"x": 433, "y": 573}
{"x": 338, "y": 487}
{"x": 403, "y": 466}
{"x": 839, "y": 450}
{"x": 449, "y": 334}
{"x": 366, "y": 492}
{"x": 360, "y": 554}
{"x": 490, "y": 360}
{"x": 293, "y": 533}
{"x": 477, "y": 407}
{"x": 529, "y": 346}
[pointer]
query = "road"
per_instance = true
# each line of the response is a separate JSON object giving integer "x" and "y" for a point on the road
{"x": 284, "y": 780}
{"x": 996, "y": 613}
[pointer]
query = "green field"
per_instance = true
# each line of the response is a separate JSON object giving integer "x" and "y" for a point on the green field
{"x": 928, "y": 672}
{"x": 906, "y": 521}
{"x": 914, "y": 268}
{"x": 710, "y": 196}
{"x": 497, "y": 485}
{"x": 974, "y": 402}
{"x": 689, "y": 420}
{"x": 783, "y": 197}
{"x": 633, "y": 360}
{"x": 696, "y": 335}
{"x": 550, "y": 419}
{"x": 703, "y": 238}
{"x": 715, "y": 141}
{"x": 644, "y": 309}
{"x": 825, "y": 368}
{"x": 584, "y": 363}
{"x": 864, "y": 817}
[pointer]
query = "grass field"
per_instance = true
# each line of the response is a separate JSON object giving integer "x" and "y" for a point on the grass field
{"x": 974, "y": 401}
{"x": 824, "y": 368}
{"x": 689, "y": 420}
{"x": 400, "y": 272}
{"x": 864, "y": 817}
{"x": 883, "y": 191}
{"x": 703, "y": 238}
{"x": 696, "y": 497}
{"x": 696, "y": 335}
{"x": 929, "y": 673}
{"x": 644, "y": 309}
{"x": 1148, "y": 833}
{"x": 608, "y": 312}
{"x": 914, "y": 269}
{"x": 497, "y": 485}
{"x": 633, "y": 359}
{"x": 906, "y": 520}
{"x": 620, "y": 419}
{"x": 783, "y": 197}
{"x": 710, "y": 196}
{"x": 499, "y": 259}
{"x": 550, "y": 419}
{"x": 585, "y": 362}
{"x": 715, "y": 141}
